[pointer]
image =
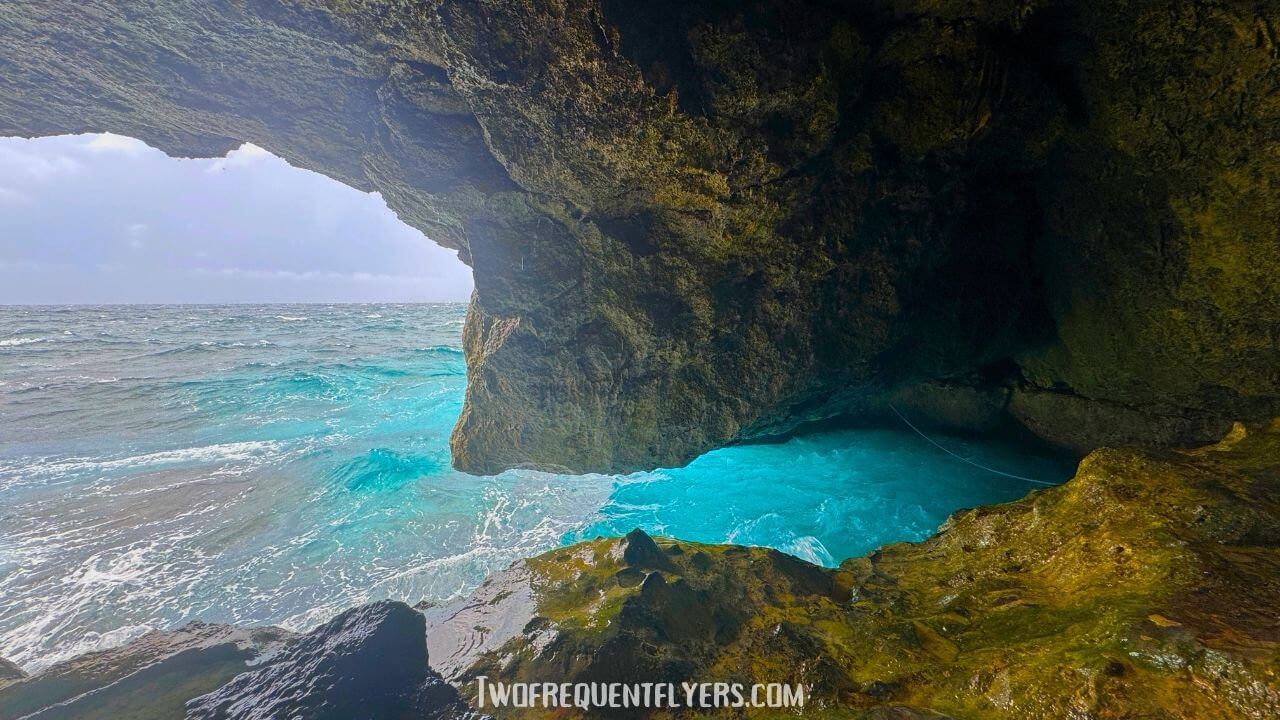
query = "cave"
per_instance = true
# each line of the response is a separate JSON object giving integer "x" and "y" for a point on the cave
{"x": 772, "y": 216}
{"x": 699, "y": 224}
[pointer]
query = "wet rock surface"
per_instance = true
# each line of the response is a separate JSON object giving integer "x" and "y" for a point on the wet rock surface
{"x": 10, "y": 673}
{"x": 597, "y": 616}
{"x": 370, "y": 663}
{"x": 693, "y": 223}
{"x": 1147, "y": 586}
{"x": 149, "y": 678}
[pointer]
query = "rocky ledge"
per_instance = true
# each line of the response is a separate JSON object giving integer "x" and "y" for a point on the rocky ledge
{"x": 1147, "y": 586}
{"x": 151, "y": 677}
{"x": 369, "y": 663}
{"x": 695, "y": 223}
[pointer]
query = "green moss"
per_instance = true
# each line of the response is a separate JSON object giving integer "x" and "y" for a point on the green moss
{"x": 1104, "y": 597}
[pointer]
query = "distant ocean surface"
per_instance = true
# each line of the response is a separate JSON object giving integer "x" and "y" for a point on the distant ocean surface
{"x": 276, "y": 464}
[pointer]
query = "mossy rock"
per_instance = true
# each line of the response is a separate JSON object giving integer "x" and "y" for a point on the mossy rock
{"x": 1144, "y": 587}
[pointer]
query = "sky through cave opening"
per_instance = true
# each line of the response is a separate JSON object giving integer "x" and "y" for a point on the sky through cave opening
{"x": 105, "y": 219}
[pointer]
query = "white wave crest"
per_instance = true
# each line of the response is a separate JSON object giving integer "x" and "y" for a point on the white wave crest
{"x": 255, "y": 450}
{"x": 808, "y": 547}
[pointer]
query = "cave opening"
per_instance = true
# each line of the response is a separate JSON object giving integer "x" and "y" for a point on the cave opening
{"x": 170, "y": 344}
{"x": 107, "y": 219}
{"x": 849, "y": 230}
{"x": 173, "y": 348}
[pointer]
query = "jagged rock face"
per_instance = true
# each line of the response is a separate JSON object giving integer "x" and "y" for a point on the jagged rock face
{"x": 150, "y": 678}
{"x": 699, "y": 222}
{"x": 369, "y": 663}
{"x": 1144, "y": 587}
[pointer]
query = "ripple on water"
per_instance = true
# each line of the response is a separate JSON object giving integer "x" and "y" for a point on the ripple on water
{"x": 277, "y": 464}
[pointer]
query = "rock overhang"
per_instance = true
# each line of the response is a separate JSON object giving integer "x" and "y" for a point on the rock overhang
{"x": 705, "y": 223}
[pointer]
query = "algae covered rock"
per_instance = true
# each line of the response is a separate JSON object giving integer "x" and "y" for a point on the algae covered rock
{"x": 695, "y": 223}
{"x": 1147, "y": 586}
{"x": 1160, "y": 255}
{"x": 671, "y": 612}
{"x": 1148, "y": 582}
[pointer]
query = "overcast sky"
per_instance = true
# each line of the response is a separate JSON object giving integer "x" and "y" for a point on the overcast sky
{"x": 107, "y": 219}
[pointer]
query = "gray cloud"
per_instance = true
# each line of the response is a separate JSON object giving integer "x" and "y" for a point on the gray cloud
{"x": 104, "y": 218}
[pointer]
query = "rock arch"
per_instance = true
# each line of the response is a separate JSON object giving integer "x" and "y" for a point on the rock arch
{"x": 698, "y": 223}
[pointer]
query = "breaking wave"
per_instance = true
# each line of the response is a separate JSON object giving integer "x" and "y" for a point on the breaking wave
{"x": 236, "y": 464}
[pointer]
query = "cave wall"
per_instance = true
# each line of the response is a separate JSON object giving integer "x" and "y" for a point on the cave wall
{"x": 693, "y": 223}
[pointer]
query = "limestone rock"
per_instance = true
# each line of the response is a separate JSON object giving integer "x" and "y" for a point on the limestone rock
{"x": 596, "y": 616}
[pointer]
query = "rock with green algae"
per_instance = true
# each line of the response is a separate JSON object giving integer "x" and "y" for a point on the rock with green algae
{"x": 1147, "y": 586}
{"x": 596, "y": 612}
{"x": 693, "y": 223}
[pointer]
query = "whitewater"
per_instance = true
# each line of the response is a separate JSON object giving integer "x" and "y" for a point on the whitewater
{"x": 278, "y": 463}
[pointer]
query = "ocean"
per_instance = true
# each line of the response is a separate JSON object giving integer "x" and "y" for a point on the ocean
{"x": 279, "y": 463}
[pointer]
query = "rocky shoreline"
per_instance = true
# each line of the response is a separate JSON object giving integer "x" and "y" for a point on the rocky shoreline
{"x": 1147, "y": 586}
{"x": 699, "y": 223}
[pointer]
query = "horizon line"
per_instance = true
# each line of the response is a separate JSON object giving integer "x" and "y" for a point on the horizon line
{"x": 234, "y": 302}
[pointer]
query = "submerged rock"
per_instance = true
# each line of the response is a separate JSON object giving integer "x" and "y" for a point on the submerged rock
{"x": 1147, "y": 586}
{"x": 369, "y": 663}
{"x": 10, "y": 673}
{"x": 150, "y": 678}
{"x": 693, "y": 223}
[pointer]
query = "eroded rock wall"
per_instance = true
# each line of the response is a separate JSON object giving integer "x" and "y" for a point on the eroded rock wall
{"x": 697, "y": 223}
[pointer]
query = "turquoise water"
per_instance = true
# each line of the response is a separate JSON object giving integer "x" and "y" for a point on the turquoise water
{"x": 275, "y": 464}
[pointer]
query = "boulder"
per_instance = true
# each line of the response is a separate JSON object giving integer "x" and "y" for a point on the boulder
{"x": 368, "y": 663}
